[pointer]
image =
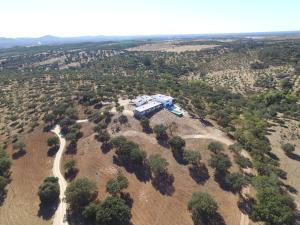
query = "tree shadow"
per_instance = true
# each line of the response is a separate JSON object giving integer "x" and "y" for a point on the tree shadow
{"x": 141, "y": 172}
{"x": 163, "y": 142}
{"x": 47, "y": 128}
{"x": 52, "y": 151}
{"x": 75, "y": 217}
{"x": 106, "y": 147}
{"x": 178, "y": 156}
{"x": 72, "y": 148}
{"x": 47, "y": 210}
{"x": 199, "y": 173}
{"x": 294, "y": 156}
{"x": 215, "y": 219}
{"x": 19, "y": 154}
{"x": 273, "y": 156}
{"x": 71, "y": 175}
{"x": 205, "y": 123}
{"x": 127, "y": 198}
{"x": 164, "y": 183}
{"x": 245, "y": 204}
{"x": 290, "y": 188}
{"x": 148, "y": 130}
{"x": 220, "y": 179}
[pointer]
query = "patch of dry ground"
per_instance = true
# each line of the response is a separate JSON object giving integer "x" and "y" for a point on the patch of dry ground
{"x": 150, "y": 207}
{"x": 28, "y": 172}
{"x": 169, "y": 46}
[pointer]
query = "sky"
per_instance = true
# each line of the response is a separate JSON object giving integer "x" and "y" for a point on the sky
{"x": 66, "y": 18}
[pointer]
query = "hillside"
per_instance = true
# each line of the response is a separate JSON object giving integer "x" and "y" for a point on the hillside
{"x": 241, "y": 92}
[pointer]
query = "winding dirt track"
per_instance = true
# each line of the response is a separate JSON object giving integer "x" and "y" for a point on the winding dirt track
{"x": 60, "y": 217}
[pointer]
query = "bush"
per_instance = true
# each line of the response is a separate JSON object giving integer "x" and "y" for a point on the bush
{"x": 113, "y": 211}
{"x": 5, "y": 163}
{"x": 80, "y": 192}
{"x": 215, "y": 146}
{"x": 202, "y": 206}
{"x": 116, "y": 185}
{"x": 288, "y": 148}
{"x": 177, "y": 144}
{"x": 161, "y": 132}
{"x": 145, "y": 123}
{"x": 192, "y": 157}
{"x": 157, "y": 164}
{"x": 236, "y": 181}
{"x": 3, "y": 183}
{"x": 220, "y": 162}
{"x": 49, "y": 190}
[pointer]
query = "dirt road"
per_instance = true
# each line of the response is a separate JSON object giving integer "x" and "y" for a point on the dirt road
{"x": 60, "y": 216}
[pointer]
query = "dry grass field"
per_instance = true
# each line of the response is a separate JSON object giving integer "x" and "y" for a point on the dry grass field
{"x": 150, "y": 207}
{"x": 21, "y": 206}
{"x": 170, "y": 46}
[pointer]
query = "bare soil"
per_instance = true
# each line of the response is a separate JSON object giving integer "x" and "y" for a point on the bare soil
{"x": 21, "y": 206}
{"x": 150, "y": 207}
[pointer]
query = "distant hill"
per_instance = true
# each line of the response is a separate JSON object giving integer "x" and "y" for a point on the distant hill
{"x": 53, "y": 40}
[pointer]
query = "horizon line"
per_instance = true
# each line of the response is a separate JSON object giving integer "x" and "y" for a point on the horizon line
{"x": 155, "y": 35}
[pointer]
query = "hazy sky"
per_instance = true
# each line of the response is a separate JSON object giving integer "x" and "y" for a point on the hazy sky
{"x": 20, "y": 18}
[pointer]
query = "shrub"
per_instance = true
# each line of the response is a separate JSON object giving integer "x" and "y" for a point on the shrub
{"x": 116, "y": 185}
{"x": 80, "y": 193}
{"x": 49, "y": 190}
{"x": 215, "y": 146}
{"x": 202, "y": 206}
{"x": 288, "y": 148}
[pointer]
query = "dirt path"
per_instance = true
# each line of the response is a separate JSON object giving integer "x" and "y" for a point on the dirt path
{"x": 60, "y": 216}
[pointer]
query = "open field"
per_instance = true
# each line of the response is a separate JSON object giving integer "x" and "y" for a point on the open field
{"x": 148, "y": 203}
{"x": 28, "y": 172}
{"x": 169, "y": 46}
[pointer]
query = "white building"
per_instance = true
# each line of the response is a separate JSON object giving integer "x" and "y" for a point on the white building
{"x": 167, "y": 101}
{"x": 147, "y": 108}
{"x": 141, "y": 100}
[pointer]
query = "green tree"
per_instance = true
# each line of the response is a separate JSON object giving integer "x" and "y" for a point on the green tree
{"x": 53, "y": 141}
{"x": 219, "y": 162}
{"x": 19, "y": 146}
{"x": 104, "y": 136}
{"x": 161, "y": 132}
{"x": 157, "y": 164}
{"x": 236, "y": 181}
{"x": 216, "y": 147}
{"x": 288, "y": 148}
{"x": 3, "y": 183}
{"x": 113, "y": 211}
{"x": 70, "y": 168}
{"x": 192, "y": 157}
{"x": 145, "y": 123}
{"x": 80, "y": 192}
{"x": 49, "y": 190}
{"x": 116, "y": 185}
{"x": 202, "y": 206}
{"x": 5, "y": 163}
{"x": 273, "y": 207}
{"x": 177, "y": 144}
